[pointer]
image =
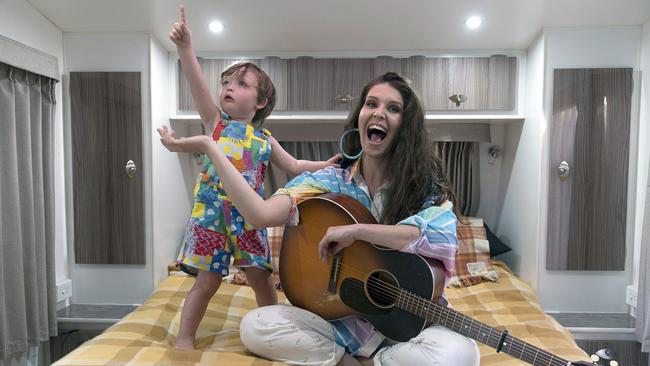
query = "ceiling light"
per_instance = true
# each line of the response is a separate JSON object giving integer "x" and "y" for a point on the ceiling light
{"x": 216, "y": 27}
{"x": 473, "y": 22}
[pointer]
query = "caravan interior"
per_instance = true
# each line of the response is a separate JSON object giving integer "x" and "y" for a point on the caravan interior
{"x": 539, "y": 115}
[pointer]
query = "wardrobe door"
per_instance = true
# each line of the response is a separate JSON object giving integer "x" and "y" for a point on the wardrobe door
{"x": 589, "y": 150}
{"x": 106, "y": 118}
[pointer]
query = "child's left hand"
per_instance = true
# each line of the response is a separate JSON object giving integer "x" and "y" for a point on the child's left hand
{"x": 334, "y": 160}
{"x": 168, "y": 138}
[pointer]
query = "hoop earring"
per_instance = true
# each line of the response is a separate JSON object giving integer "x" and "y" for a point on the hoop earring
{"x": 351, "y": 157}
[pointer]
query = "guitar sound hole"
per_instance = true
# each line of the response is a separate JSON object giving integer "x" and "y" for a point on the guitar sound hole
{"x": 382, "y": 288}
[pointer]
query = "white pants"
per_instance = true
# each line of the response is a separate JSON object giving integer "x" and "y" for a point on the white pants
{"x": 297, "y": 337}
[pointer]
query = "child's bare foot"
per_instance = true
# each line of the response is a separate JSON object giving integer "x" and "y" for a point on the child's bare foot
{"x": 184, "y": 345}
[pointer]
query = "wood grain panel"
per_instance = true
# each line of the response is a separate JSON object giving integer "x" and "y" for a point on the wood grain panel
{"x": 350, "y": 76}
{"x": 629, "y": 352}
{"x": 469, "y": 76}
{"x": 310, "y": 84}
{"x": 502, "y": 86}
{"x": 277, "y": 68}
{"x": 435, "y": 84}
{"x": 212, "y": 69}
{"x": 590, "y": 131}
{"x": 106, "y": 118}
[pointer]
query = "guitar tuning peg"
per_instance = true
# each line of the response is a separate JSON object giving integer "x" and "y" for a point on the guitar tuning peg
{"x": 613, "y": 363}
{"x": 595, "y": 358}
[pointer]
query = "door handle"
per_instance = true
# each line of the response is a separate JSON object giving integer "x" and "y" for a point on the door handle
{"x": 130, "y": 169}
{"x": 563, "y": 171}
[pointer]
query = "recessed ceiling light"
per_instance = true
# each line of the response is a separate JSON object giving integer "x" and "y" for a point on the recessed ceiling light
{"x": 215, "y": 26}
{"x": 473, "y": 22}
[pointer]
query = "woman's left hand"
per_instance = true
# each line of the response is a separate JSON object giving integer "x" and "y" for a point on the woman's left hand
{"x": 168, "y": 138}
{"x": 335, "y": 239}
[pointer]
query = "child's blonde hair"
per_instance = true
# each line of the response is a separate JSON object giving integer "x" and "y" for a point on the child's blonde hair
{"x": 265, "y": 87}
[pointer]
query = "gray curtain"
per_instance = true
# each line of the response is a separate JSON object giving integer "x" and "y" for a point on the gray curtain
{"x": 460, "y": 162}
{"x": 305, "y": 150}
{"x": 643, "y": 295}
{"x": 27, "y": 288}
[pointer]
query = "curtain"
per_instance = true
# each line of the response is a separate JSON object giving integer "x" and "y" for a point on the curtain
{"x": 643, "y": 295}
{"x": 27, "y": 277}
{"x": 460, "y": 161}
{"x": 301, "y": 150}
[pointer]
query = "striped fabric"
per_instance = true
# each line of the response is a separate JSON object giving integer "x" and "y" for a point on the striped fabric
{"x": 145, "y": 337}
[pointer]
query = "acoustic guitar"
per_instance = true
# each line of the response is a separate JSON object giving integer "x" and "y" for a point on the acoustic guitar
{"x": 398, "y": 293}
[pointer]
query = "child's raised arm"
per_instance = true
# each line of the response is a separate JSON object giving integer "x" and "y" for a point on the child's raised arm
{"x": 181, "y": 35}
{"x": 293, "y": 166}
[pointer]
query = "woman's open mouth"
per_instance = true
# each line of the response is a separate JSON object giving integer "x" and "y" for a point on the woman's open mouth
{"x": 376, "y": 133}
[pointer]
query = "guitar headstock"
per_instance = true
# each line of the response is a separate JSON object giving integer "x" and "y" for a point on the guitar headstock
{"x": 604, "y": 357}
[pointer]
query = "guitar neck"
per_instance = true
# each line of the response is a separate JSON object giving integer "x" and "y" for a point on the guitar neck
{"x": 462, "y": 324}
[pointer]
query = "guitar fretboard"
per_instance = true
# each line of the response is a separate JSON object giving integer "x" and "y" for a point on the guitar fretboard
{"x": 476, "y": 330}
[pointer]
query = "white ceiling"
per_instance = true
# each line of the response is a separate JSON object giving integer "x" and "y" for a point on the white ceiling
{"x": 345, "y": 25}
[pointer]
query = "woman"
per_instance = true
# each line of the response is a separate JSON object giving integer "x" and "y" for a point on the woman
{"x": 401, "y": 182}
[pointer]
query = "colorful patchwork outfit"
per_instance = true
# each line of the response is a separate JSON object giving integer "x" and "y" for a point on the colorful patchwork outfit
{"x": 216, "y": 231}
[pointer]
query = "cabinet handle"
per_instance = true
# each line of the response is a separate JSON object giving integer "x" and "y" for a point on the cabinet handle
{"x": 458, "y": 99}
{"x": 343, "y": 98}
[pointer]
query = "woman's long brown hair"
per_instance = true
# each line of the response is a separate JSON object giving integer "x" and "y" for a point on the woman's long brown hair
{"x": 414, "y": 171}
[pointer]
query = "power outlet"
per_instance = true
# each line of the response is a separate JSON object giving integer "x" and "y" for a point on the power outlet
{"x": 630, "y": 295}
{"x": 63, "y": 290}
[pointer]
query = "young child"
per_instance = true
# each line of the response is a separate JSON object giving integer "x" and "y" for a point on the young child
{"x": 216, "y": 231}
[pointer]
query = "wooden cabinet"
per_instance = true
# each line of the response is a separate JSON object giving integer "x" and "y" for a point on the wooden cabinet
{"x": 333, "y": 84}
{"x": 468, "y": 76}
{"x": 350, "y": 76}
{"x": 212, "y": 69}
{"x": 310, "y": 84}
{"x": 502, "y": 82}
{"x": 275, "y": 67}
{"x": 488, "y": 83}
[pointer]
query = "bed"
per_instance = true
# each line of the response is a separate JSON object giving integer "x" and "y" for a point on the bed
{"x": 146, "y": 336}
{"x": 494, "y": 296}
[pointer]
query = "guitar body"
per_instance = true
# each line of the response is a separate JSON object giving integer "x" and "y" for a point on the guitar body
{"x": 362, "y": 280}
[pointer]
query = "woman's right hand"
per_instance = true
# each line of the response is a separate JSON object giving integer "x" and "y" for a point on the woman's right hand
{"x": 180, "y": 33}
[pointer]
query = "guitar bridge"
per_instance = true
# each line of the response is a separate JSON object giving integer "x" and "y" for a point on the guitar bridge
{"x": 334, "y": 273}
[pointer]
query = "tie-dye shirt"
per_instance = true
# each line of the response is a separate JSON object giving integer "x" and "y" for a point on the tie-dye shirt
{"x": 437, "y": 239}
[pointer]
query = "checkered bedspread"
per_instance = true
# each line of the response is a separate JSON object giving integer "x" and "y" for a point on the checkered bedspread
{"x": 146, "y": 336}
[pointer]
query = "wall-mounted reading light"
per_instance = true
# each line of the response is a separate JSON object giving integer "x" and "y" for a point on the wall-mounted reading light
{"x": 494, "y": 152}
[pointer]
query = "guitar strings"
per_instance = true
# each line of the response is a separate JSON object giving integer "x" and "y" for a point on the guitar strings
{"x": 390, "y": 292}
{"x": 533, "y": 353}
